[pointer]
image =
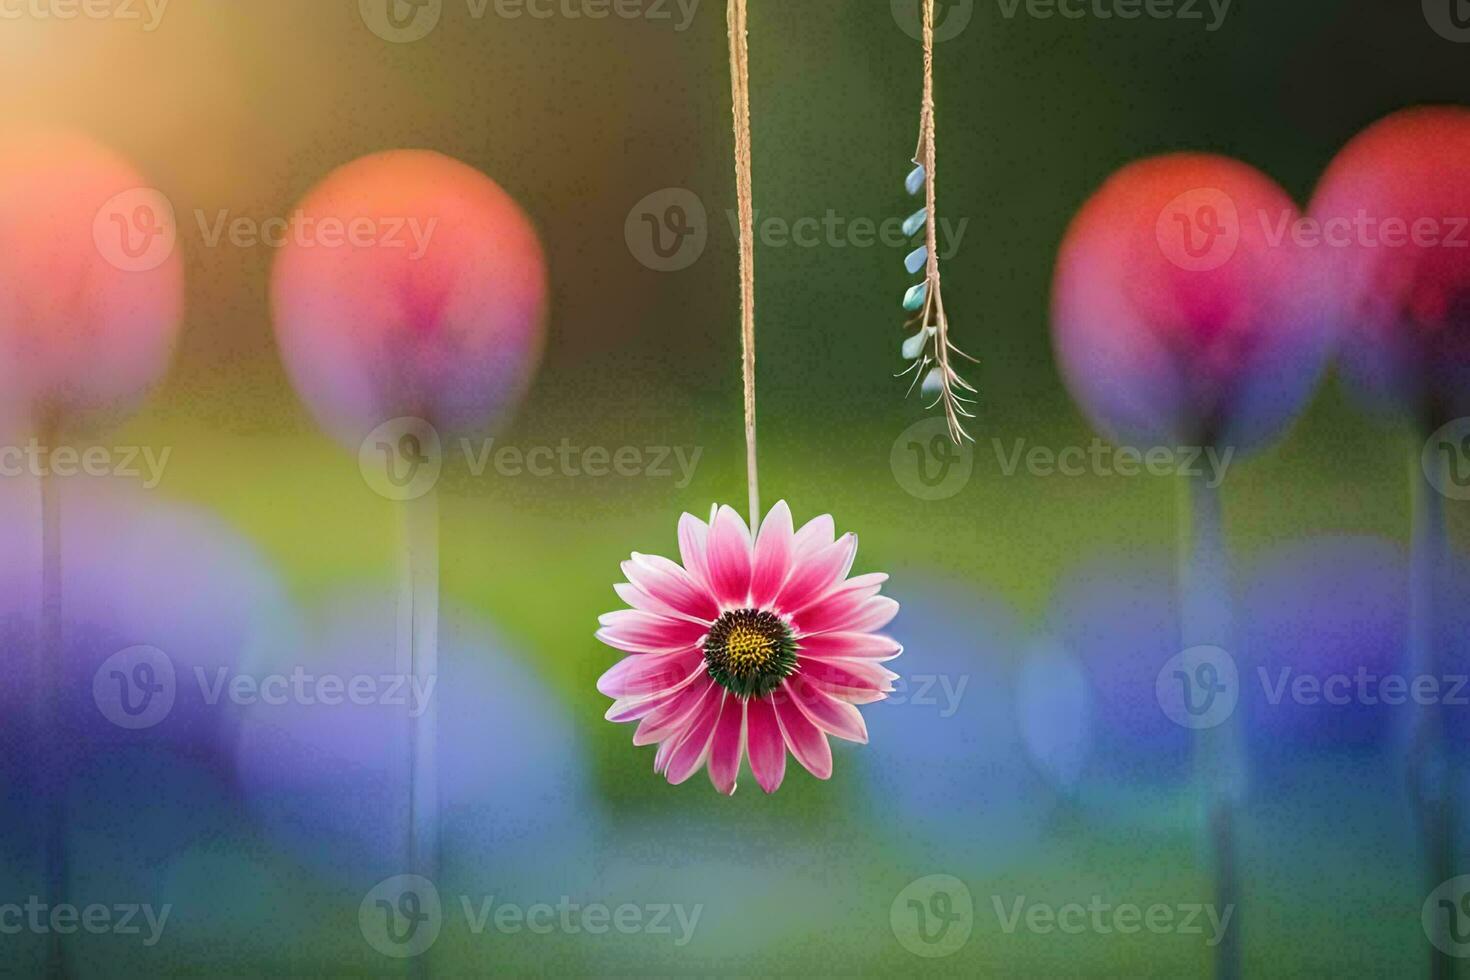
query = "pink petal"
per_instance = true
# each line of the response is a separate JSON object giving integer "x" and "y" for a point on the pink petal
{"x": 814, "y": 535}
{"x": 693, "y": 748}
{"x": 815, "y": 574}
{"x": 728, "y": 746}
{"x": 638, "y": 706}
{"x": 644, "y": 674}
{"x": 729, "y": 559}
{"x": 860, "y": 586}
{"x": 664, "y": 753}
{"x": 866, "y": 646}
{"x": 666, "y": 582}
{"x": 804, "y": 738}
{"x": 859, "y": 681}
{"x": 774, "y": 551}
{"x": 827, "y": 713}
{"x": 764, "y": 743}
{"x": 694, "y": 549}
{"x": 644, "y": 602}
{"x": 667, "y": 721}
{"x": 637, "y": 631}
{"x": 851, "y": 612}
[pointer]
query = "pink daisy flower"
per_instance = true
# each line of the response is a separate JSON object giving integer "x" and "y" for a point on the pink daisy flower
{"x": 757, "y": 644}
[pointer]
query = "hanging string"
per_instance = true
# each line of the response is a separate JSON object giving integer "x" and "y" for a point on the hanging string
{"x": 740, "y": 100}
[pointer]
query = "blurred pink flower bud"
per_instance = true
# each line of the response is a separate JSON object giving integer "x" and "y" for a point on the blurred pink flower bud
{"x": 1183, "y": 305}
{"x": 1396, "y": 202}
{"x": 91, "y": 285}
{"x": 411, "y": 285}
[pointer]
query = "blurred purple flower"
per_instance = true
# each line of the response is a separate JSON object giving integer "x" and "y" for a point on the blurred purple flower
{"x": 1120, "y": 618}
{"x": 1319, "y": 619}
{"x": 947, "y": 763}
{"x": 329, "y": 781}
{"x": 136, "y": 574}
{"x": 1054, "y": 710}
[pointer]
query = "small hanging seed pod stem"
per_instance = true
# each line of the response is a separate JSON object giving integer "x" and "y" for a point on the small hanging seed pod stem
{"x": 929, "y": 347}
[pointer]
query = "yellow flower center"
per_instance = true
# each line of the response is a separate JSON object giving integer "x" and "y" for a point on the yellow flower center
{"x": 749, "y": 652}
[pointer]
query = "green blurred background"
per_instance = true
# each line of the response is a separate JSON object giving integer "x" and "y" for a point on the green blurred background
{"x": 244, "y": 107}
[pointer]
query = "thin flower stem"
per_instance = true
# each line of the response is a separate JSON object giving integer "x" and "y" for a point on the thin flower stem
{"x": 1206, "y": 619}
{"x": 1431, "y": 775}
{"x": 744, "y": 193}
{"x": 418, "y": 639}
{"x": 49, "y": 676}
